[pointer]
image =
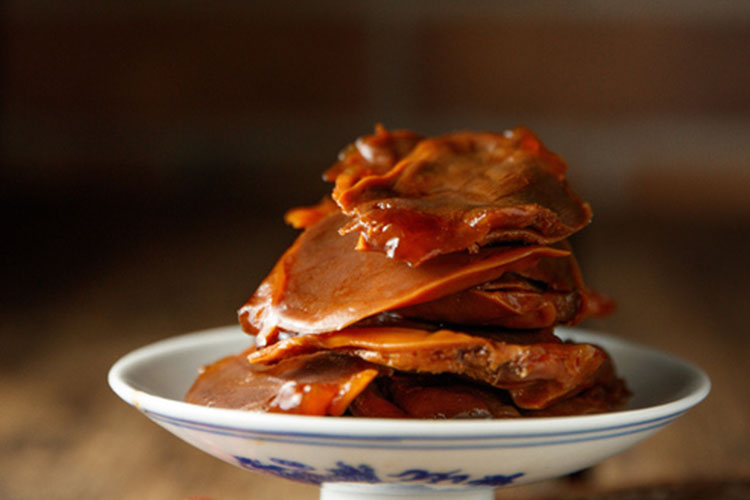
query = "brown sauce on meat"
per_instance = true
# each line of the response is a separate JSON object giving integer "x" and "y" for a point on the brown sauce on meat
{"x": 317, "y": 384}
{"x": 427, "y": 286}
{"x": 459, "y": 192}
{"x": 322, "y": 284}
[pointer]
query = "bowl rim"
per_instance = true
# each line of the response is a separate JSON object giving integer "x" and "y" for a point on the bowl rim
{"x": 161, "y": 408}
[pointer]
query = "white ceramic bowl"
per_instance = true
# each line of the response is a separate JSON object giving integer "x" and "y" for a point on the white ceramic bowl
{"x": 386, "y": 458}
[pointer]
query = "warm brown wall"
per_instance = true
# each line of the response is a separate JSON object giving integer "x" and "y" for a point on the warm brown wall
{"x": 143, "y": 94}
{"x": 137, "y": 117}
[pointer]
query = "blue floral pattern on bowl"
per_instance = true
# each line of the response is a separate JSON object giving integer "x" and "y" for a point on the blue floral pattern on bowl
{"x": 363, "y": 473}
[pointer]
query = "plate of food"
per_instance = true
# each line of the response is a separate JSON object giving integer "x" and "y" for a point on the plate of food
{"x": 417, "y": 338}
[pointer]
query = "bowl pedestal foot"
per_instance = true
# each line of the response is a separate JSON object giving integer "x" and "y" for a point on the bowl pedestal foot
{"x": 352, "y": 491}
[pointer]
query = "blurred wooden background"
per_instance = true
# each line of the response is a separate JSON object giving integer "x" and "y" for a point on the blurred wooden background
{"x": 149, "y": 149}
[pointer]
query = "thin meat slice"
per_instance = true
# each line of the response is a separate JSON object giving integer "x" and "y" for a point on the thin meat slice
{"x": 506, "y": 308}
{"x": 304, "y": 217}
{"x": 458, "y": 192}
{"x": 433, "y": 397}
{"x": 609, "y": 393}
{"x": 536, "y": 375}
{"x": 321, "y": 285}
{"x": 405, "y": 395}
{"x": 373, "y": 154}
{"x": 316, "y": 384}
{"x": 550, "y": 293}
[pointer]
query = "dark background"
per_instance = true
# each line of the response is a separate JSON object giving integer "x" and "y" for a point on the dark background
{"x": 150, "y": 149}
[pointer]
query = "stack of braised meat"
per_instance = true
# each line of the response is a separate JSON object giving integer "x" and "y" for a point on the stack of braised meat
{"x": 428, "y": 286}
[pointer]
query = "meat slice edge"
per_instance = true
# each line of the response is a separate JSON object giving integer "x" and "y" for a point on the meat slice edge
{"x": 321, "y": 285}
{"x": 314, "y": 384}
{"x": 460, "y": 192}
{"x": 535, "y": 375}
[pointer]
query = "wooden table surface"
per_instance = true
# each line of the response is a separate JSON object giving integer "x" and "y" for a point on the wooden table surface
{"x": 682, "y": 288}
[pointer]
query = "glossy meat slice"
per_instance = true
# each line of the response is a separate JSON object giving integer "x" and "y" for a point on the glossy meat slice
{"x": 462, "y": 191}
{"x": 373, "y": 154}
{"x": 304, "y": 217}
{"x": 507, "y": 308}
{"x": 320, "y": 284}
{"x": 433, "y": 397}
{"x": 609, "y": 393}
{"x": 317, "y": 384}
{"x": 521, "y": 337}
{"x": 547, "y": 294}
{"x": 536, "y": 375}
{"x": 406, "y": 395}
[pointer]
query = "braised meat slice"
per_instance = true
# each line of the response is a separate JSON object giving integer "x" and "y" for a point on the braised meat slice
{"x": 458, "y": 192}
{"x": 320, "y": 284}
{"x": 549, "y": 293}
{"x": 507, "y": 308}
{"x": 405, "y": 395}
{"x": 536, "y": 375}
{"x": 435, "y": 397}
{"x": 304, "y": 217}
{"x": 316, "y": 384}
{"x": 373, "y": 154}
{"x": 607, "y": 394}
